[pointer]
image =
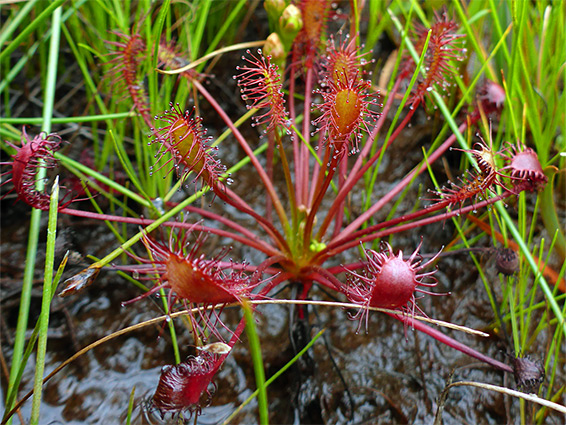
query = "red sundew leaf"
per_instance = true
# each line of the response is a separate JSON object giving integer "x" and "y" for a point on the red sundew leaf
{"x": 529, "y": 374}
{"x": 180, "y": 387}
{"x": 389, "y": 281}
{"x": 29, "y": 158}
{"x": 315, "y": 15}
{"x": 468, "y": 188}
{"x": 525, "y": 168}
{"x": 261, "y": 84}
{"x": 444, "y": 47}
{"x": 475, "y": 185}
{"x": 346, "y": 111}
{"x": 492, "y": 97}
{"x": 185, "y": 139}
{"x": 190, "y": 275}
{"x": 342, "y": 61}
{"x": 193, "y": 278}
{"x": 126, "y": 66}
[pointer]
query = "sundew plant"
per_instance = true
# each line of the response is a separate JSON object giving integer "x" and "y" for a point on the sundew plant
{"x": 285, "y": 211}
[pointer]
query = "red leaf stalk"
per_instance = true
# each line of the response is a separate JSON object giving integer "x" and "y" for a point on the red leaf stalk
{"x": 439, "y": 336}
{"x": 235, "y": 200}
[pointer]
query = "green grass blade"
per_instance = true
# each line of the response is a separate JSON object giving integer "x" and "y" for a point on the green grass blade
{"x": 199, "y": 28}
{"x": 532, "y": 263}
{"x": 11, "y": 394}
{"x": 103, "y": 179}
{"x": 36, "y": 214}
{"x": 9, "y": 29}
{"x": 255, "y": 352}
{"x": 275, "y": 376}
{"x": 131, "y": 406}
{"x": 29, "y": 29}
{"x": 225, "y": 26}
{"x": 46, "y": 301}
{"x": 69, "y": 120}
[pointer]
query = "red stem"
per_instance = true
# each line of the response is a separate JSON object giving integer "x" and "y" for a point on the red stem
{"x": 266, "y": 264}
{"x": 226, "y": 221}
{"x": 339, "y": 216}
{"x": 294, "y": 120}
{"x": 399, "y": 187}
{"x": 321, "y": 188}
{"x": 231, "y": 198}
{"x": 326, "y": 278}
{"x": 342, "y": 267}
{"x": 439, "y": 336}
{"x": 281, "y": 277}
{"x": 249, "y": 152}
{"x": 236, "y": 334}
{"x": 355, "y": 175}
{"x": 317, "y": 167}
{"x": 247, "y": 267}
{"x": 357, "y": 238}
{"x": 251, "y": 242}
{"x": 269, "y": 163}
{"x": 288, "y": 179}
{"x": 303, "y": 170}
